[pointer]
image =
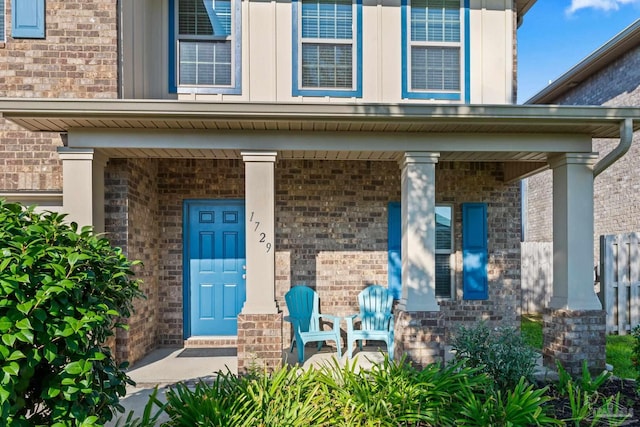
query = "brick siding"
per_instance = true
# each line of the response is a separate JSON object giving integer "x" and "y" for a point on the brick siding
{"x": 77, "y": 59}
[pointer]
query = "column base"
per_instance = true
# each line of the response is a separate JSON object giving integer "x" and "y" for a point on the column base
{"x": 572, "y": 337}
{"x": 259, "y": 342}
{"x": 419, "y": 335}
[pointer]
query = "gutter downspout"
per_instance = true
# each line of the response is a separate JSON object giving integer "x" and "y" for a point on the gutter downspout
{"x": 626, "y": 136}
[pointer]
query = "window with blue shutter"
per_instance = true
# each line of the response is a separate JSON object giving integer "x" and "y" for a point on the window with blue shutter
{"x": 444, "y": 249}
{"x": 474, "y": 251}
{"x": 206, "y": 37}
{"x": 27, "y": 19}
{"x": 327, "y": 51}
{"x": 435, "y": 49}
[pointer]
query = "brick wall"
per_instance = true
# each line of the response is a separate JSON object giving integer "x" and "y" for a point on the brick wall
{"x": 131, "y": 213}
{"x": 77, "y": 59}
{"x": 616, "y": 210}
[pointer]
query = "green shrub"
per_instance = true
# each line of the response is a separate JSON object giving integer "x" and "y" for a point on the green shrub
{"x": 500, "y": 353}
{"x": 61, "y": 293}
{"x": 635, "y": 357}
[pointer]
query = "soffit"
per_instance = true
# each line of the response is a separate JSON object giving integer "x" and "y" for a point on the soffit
{"x": 65, "y": 115}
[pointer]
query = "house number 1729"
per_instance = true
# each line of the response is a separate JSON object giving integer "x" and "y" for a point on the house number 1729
{"x": 262, "y": 237}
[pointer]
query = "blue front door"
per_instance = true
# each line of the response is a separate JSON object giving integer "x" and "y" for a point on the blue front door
{"x": 215, "y": 266}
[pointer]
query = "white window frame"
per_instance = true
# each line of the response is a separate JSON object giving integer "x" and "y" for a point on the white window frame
{"x": 232, "y": 38}
{"x": 354, "y": 42}
{"x": 459, "y": 45}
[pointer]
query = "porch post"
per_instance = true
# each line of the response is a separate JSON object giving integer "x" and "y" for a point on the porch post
{"x": 419, "y": 232}
{"x": 260, "y": 323}
{"x": 83, "y": 186}
{"x": 574, "y": 323}
{"x": 573, "y": 233}
{"x": 419, "y": 328}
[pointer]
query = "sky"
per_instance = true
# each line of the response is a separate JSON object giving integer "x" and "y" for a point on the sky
{"x": 557, "y": 34}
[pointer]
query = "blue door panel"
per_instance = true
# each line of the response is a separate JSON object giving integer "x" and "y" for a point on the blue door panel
{"x": 215, "y": 259}
{"x": 474, "y": 251}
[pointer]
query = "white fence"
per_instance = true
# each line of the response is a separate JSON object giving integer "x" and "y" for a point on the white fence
{"x": 620, "y": 276}
{"x": 536, "y": 275}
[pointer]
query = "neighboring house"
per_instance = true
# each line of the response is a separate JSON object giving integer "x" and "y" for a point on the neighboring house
{"x": 609, "y": 76}
{"x": 239, "y": 148}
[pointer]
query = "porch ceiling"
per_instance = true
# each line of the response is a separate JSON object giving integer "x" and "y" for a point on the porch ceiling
{"x": 65, "y": 115}
{"x": 162, "y": 153}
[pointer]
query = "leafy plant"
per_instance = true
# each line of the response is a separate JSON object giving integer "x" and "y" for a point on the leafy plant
{"x": 635, "y": 358}
{"x": 586, "y": 403}
{"x": 500, "y": 353}
{"x": 523, "y": 406}
{"x": 148, "y": 418}
{"x": 62, "y": 292}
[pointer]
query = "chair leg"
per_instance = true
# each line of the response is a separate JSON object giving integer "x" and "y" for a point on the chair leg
{"x": 349, "y": 349}
{"x": 300, "y": 352}
{"x": 293, "y": 341}
{"x": 320, "y": 345}
{"x": 338, "y": 349}
{"x": 360, "y": 345}
{"x": 390, "y": 350}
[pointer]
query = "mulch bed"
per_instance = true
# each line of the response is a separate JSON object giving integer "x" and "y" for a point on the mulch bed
{"x": 629, "y": 402}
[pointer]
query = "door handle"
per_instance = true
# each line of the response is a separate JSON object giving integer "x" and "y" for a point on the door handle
{"x": 244, "y": 276}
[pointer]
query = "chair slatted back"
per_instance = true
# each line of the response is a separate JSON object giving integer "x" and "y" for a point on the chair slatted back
{"x": 303, "y": 304}
{"x": 376, "y": 304}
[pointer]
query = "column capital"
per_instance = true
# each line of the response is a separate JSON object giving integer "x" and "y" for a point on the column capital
{"x": 419, "y": 157}
{"x": 259, "y": 156}
{"x": 587, "y": 159}
{"x": 66, "y": 153}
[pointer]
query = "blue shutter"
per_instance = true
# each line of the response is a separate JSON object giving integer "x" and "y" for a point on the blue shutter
{"x": 1, "y": 20}
{"x": 474, "y": 251}
{"x": 394, "y": 245}
{"x": 27, "y": 19}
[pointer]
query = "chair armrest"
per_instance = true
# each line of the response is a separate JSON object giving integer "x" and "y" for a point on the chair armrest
{"x": 350, "y": 320}
{"x": 333, "y": 319}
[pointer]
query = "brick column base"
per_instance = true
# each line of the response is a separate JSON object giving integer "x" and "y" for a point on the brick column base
{"x": 573, "y": 336}
{"x": 420, "y": 336}
{"x": 259, "y": 342}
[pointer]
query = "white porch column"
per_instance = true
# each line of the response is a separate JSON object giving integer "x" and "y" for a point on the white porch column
{"x": 419, "y": 232}
{"x": 83, "y": 186}
{"x": 573, "y": 232}
{"x": 260, "y": 232}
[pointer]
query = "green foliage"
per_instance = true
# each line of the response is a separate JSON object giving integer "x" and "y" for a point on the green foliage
{"x": 523, "y": 406}
{"x": 61, "y": 293}
{"x": 501, "y": 353}
{"x": 389, "y": 394}
{"x": 635, "y": 357}
{"x": 588, "y": 406}
{"x": 148, "y": 418}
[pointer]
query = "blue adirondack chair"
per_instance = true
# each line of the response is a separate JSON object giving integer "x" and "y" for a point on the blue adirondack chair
{"x": 304, "y": 314}
{"x": 376, "y": 319}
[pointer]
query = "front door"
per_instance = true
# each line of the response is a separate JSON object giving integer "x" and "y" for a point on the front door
{"x": 214, "y": 268}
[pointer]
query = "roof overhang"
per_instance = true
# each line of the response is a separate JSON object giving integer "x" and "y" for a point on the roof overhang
{"x": 63, "y": 116}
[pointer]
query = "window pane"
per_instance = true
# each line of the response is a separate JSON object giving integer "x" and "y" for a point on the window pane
{"x": 204, "y": 17}
{"x": 327, "y": 65}
{"x": 443, "y": 227}
{"x": 435, "y": 20}
{"x": 443, "y": 276}
{"x": 327, "y": 19}
{"x": 435, "y": 68}
{"x": 205, "y": 63}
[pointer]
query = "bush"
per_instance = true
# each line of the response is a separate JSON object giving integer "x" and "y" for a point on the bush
{"x": 62, "y": 292}
{"x": 500, "y": 353}
{"x": 635, "y": 356}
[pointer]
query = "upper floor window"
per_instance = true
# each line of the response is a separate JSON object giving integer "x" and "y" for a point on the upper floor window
{"x": 327, "y": 51}
{"x": 207, "y": 46}
{"x": 434, "y": 49}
